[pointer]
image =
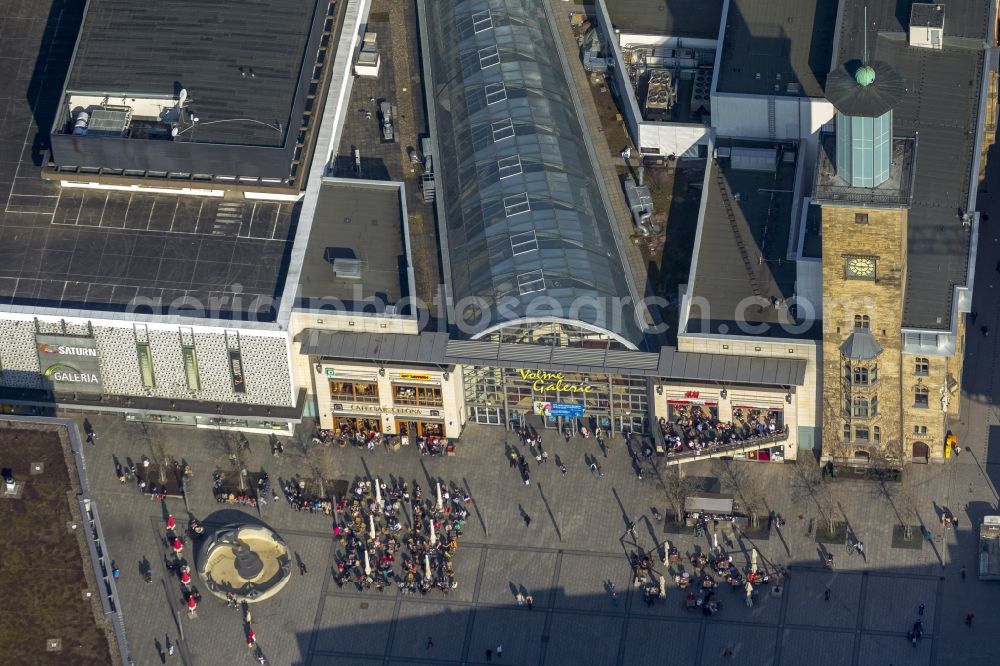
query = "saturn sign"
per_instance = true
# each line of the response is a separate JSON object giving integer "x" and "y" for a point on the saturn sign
{"x": 69, "y": 362}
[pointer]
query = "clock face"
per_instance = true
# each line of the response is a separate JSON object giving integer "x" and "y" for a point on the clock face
{"x": 862, "y": 267}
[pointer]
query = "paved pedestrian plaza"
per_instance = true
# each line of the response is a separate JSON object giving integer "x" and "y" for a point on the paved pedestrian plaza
{"x": 576, "y": 544}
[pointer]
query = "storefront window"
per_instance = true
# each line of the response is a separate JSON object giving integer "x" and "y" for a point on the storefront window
{"x": 412, "y": 428}
{"x": 629, "y": 395}
{"x": 678, "y": 410}
{"x": 350, "y": 426}
{"x": 761, "y": 419}
{"x": 415, "y": 394}
{"x": 354, "y": 391}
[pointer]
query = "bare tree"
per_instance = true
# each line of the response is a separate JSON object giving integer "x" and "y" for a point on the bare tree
{"x": 156, "y": 450}
{"x": 316, "y": 455}
{"x": 676, "y": 488}
{"x": 884, "y": 467}
{"x": 747, "y": 485}
{"x": 808, "y": 485}
{"x": 235, "y": 446}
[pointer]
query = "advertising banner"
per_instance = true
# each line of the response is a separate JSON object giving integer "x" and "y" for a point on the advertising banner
{"x": 70, "y": 362}
{"x": 543, "y": 408}
{"x": 236, "y": 371}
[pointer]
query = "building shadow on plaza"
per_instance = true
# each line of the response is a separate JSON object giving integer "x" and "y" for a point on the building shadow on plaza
{"x": 870, "y": 614}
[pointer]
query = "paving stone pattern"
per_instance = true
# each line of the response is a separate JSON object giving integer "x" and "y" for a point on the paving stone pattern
{"x": 574, "y": 620}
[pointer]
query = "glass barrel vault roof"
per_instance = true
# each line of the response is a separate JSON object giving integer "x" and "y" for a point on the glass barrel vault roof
{"x": 528, "y": 230}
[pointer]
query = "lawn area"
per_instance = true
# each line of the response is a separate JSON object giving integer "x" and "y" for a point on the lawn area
{"x": 41, "y": 567}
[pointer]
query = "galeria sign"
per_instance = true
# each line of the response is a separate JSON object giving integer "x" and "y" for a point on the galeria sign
{"x": 69, "y": 362}
{"x": 545, "y": 382}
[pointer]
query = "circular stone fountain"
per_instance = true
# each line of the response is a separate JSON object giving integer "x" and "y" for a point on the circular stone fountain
{"x": 250, "y": 562}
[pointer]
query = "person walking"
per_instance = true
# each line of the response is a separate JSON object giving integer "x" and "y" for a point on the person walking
{"x": 920, "y": 610}
{"x": 499, "y": 651}
{"x": 430, "y": 642}
{"x": 969, "y": 617}
{"x": 562, "y": 469}
{"x": 963, "y": 572}
{"x": 826, "y": 595}
{"x": 489, "y": 655}
{"x": 527, "y": 520}
{"x": 302, "y": 568}
{"x": 513, "y": 458}
{"x": 530, "y": 601}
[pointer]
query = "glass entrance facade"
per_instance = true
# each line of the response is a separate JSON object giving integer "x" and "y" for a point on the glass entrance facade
{"x": 519, "y": 396}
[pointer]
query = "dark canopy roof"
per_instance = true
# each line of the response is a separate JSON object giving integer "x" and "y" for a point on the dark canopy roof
{"x": 861, "y": 345}
{"x": 528, "y": 231}
{"x": 854, "y": 99}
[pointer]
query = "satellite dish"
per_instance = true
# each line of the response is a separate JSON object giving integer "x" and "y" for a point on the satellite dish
{"x": 182, "y": 97}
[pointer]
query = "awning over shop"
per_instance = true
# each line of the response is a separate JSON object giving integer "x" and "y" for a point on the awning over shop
{"x": 436, "y": 349}
{"x": 709, "y": 503}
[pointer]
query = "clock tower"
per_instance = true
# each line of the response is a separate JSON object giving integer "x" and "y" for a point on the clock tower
{"x": 863, "y": 187}
{"x": 864, "y": 270}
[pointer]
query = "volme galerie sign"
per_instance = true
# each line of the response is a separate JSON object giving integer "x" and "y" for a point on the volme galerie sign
{"x": 70, "y": 362}
{"x": 550, "y": 382}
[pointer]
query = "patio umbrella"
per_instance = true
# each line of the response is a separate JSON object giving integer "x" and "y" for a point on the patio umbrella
{"x": 192, "y": 602}
{"x": 185, "y": 578}
{"x": 171, "y": 523}
{"x": 178, "y": 546}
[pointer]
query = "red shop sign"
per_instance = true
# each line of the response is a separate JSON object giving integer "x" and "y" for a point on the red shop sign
{"x": 691, "y": 394}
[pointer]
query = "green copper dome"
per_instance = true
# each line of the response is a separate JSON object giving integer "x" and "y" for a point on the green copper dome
{"x": 865, "y": 76}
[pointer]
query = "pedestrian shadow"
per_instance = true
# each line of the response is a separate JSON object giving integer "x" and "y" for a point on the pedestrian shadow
{"x": 548, "y": 510}
{"x": 475, "y": 506}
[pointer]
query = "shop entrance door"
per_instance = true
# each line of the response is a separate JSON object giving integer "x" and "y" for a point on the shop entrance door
{"x": 487, "y": 415}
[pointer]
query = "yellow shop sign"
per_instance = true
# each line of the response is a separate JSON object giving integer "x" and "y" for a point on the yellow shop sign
{"x": 545, "y": 382}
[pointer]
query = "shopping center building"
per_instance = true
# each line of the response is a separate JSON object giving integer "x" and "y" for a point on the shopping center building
{"x": 228, "y": 304}
{"x": 167, "y": 303}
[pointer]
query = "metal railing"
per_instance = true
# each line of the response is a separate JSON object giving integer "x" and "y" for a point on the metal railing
{"x": 732, "y": 447}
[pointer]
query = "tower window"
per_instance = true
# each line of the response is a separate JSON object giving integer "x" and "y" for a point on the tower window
{"x": 877, "y": 434}
{"x": 922, "y": 366}
{"x": 861, "y": 409}
{"x": 862, "y": 321}
{"x": 861, "y": 218}
{"x": 861, "y": 375}
{"x": 921, "y": 397}
{"x": 847, "y": 432}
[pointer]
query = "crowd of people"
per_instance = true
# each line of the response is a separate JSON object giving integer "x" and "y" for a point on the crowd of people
{"x": 377, "y": 551}
{"x": 367, "y": 436}
{"x": 227, "y": 495}
{"x": 363, "y": 435}
{"x": 300, "y": 499}
{"x": 709, "y": 571}
{"x": 693, "y": 429}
